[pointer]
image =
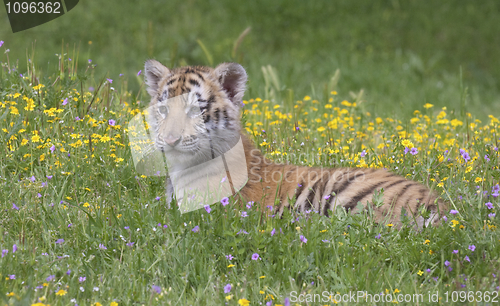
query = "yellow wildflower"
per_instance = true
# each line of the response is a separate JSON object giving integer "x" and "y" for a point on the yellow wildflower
{"x": 243, "y": 302}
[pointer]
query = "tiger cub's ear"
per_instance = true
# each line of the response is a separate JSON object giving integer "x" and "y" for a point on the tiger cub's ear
{"x": 233, "y": 79}
{"x": 154, "y": 72}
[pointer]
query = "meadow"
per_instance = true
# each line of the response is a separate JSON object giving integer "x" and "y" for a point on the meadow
{"x": 416, "y": 94}
{"x": 80, "y": 226}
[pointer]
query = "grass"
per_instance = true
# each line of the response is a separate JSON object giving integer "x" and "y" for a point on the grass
{"x": 80, "y": 226}
{"x": 402, "y": 53}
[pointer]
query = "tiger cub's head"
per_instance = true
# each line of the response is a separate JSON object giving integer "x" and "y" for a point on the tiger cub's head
{"x": 204, "y": 120}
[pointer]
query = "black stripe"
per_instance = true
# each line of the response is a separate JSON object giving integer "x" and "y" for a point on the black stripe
{"x": 299, "y": 190}
{"x": 194, "y": 82}
{"x": 325, "y": 181}
{"x": 171, "y": 82}
{"x": 401, "y": 192}
{"x": 216, "y": 116}
{"x": 289, "y": 173}
{"x": 210, "y": 101}
{"x": 200, "y": 76}
{"x": 171, "y": 92}
{"x": 309, "y": 199}
{"x": 394, "y": 184}
{"x": 313, "y": 191}
{"x": 354, "y": 201}
{"x": 206, "y": 118}
{"x": 226, "y": 119}
{"x": 338, "y": 187}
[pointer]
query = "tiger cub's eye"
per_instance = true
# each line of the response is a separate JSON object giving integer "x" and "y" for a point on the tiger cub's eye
{"x": 194, "y": 112}
{"x": 163, "y": 110}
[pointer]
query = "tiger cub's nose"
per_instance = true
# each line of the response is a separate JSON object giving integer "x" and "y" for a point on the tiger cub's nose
{"x": 173, "y": 140}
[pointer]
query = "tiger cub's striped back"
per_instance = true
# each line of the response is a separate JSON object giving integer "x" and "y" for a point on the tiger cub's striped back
{"x": 196, "y": 139}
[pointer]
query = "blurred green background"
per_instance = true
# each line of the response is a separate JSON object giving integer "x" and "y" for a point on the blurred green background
{"x": 402, "y": 53}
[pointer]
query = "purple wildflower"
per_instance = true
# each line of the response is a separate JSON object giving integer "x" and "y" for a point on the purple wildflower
{"x": 378, "y": 236}
{"x": 489, "y": 205}
{"x": 255, "y": 256}
{"x": 224, "y": 201}
{"x": 59, "y": 241}
{"x": 229, "y": 257}
{"x": 50, "y": 278}
{"x": 287, "y": 302}
{"x": 273, "y": 232}
{"x": 244, "y": 214}
{"x": 455, "y": 252}
{"x": 32, "y": 179}
{"x": 487, "y": 158}
{"x": 69, "y": 225}
{"x": 4, "y": 252}
{"x": 12, "y": 276}
{"x": 77, "y": 118}
{"x": 110, "y": 81}
{"x": 491, "y": 215}
{"x": 303, "y": 239}
{"x": 227, "y": 288}
{"x": 65, "y": 101}
{"x": 81, "y": 279}
{"x": 156, "y": 289}
{"x": 102, "y": 246}
{"x": 207, "y": 208}
{"x": 363, "y": 153}
{"x": 126, "y": 227}
{"x": 327, "y": 197}
{"x": 472, "y": 247}
{"x": 428, "y": 270}
{"x": 406, "y": 150}
{"x": 445, "y": 218}
{"x": 413, "y": 151}
{"x": 52, "y": 149}
{"x": 447, "y": 263}
{"x": 130, "y": 244}
{"x": 465, "y": 155}
{"x": 467, "y": 258}
{"x": 453, "y": 212}
{"x": 14, "y": 206}
{"x": 196, "y": 229}
{"x": 139, "y": 73}
{"x": 1, "y": 43}
{"x": 68, "y": 272}
{"x": 90, "y": 61}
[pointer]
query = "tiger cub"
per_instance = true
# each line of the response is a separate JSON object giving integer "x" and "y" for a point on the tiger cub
{"x": 219, "y": 94}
